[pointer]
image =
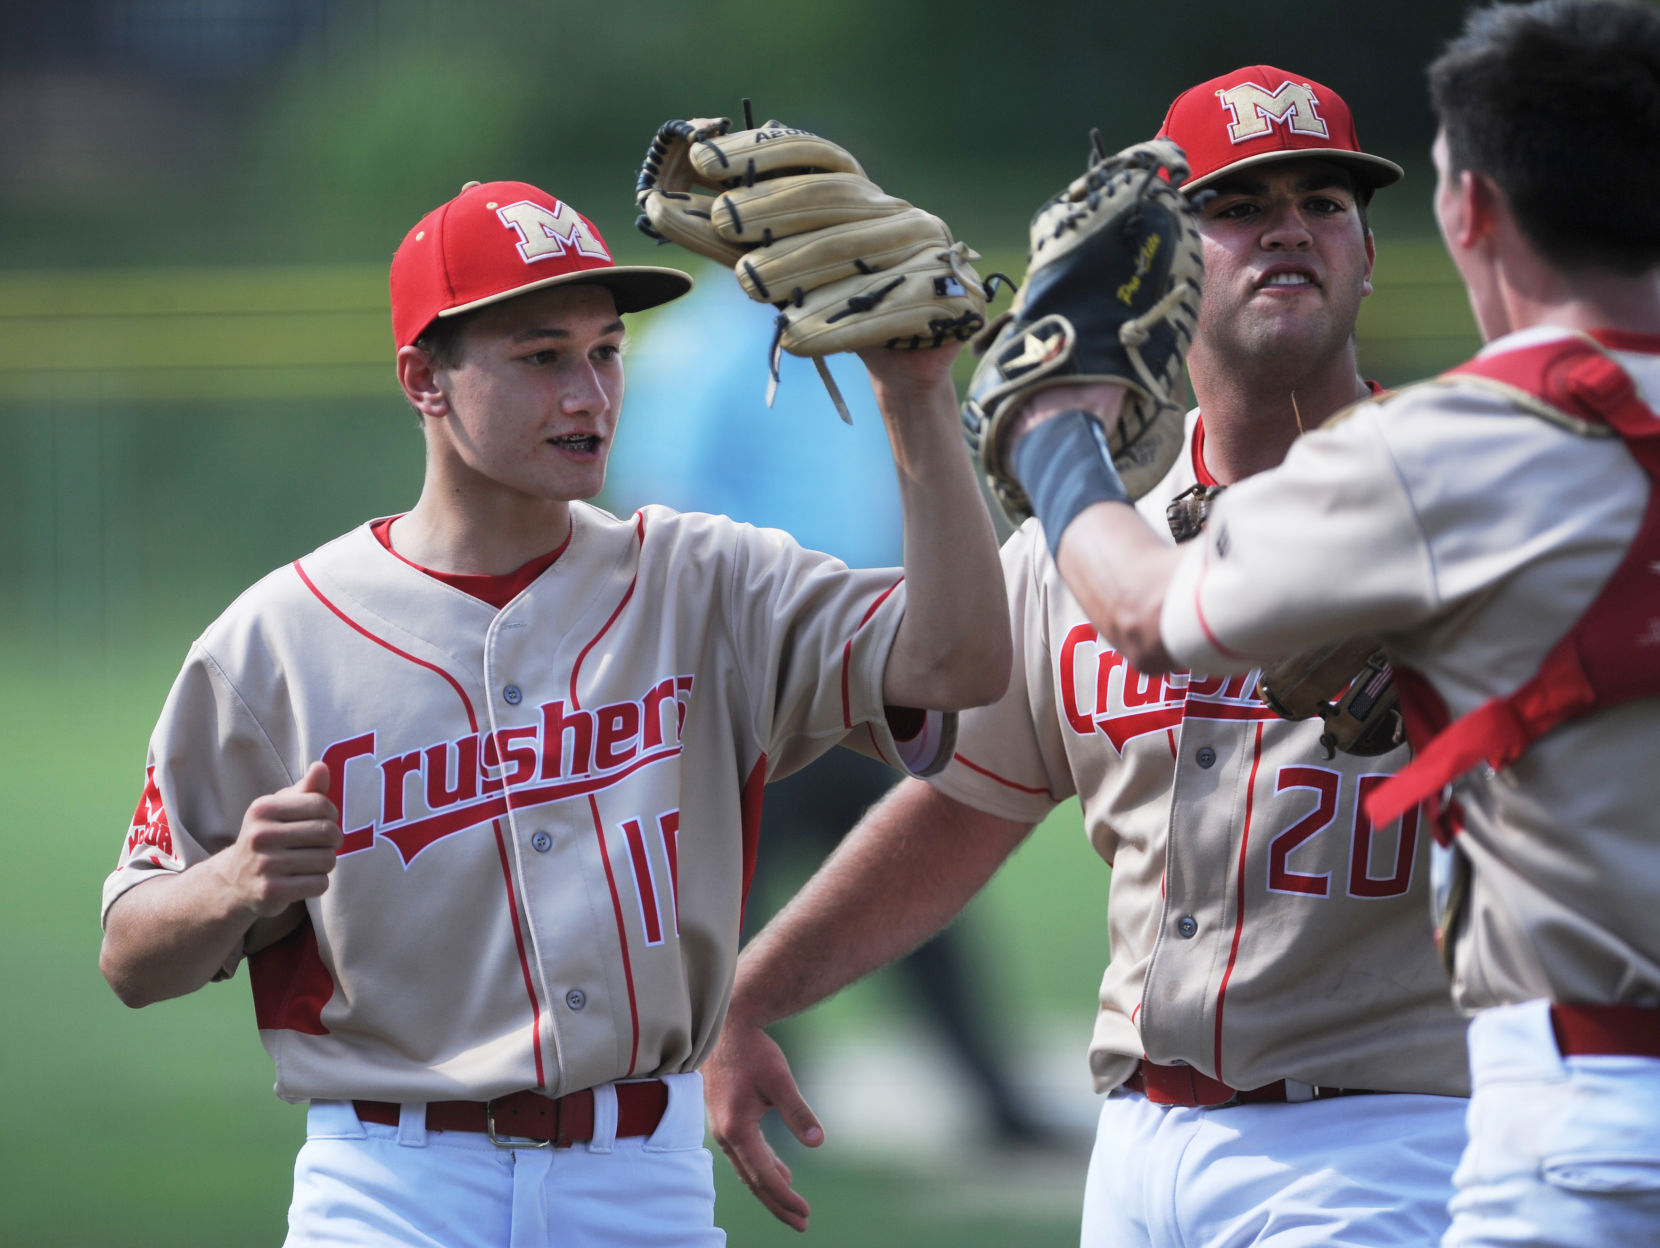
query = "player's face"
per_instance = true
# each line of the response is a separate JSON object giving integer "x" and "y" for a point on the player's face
{"x": 535, "y": 396}
{"x": 1287, "y": 262}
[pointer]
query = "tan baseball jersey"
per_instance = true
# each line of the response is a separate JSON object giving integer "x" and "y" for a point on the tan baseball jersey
{"x": 1260, "y": 928}
{"x": 1471, "y": 535}
{"x": 550, "y": 810}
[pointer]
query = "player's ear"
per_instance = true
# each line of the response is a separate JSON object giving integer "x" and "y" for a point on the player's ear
{"x": 1371, "y": 259}
{"x": 1476, "y": 202}
{"x": 418, "y": 376}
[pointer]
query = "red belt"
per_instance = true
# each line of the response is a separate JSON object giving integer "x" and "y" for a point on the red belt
{"x": 559, "y": 1121}
{"x": 1606, "y": 1030}
{"x": 1182, "y": 1085}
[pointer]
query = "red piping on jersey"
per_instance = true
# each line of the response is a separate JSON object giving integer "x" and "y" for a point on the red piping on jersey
{"x": 847, "y": 654}
{"x": 507, "y": 876}
{"x": 640, "y": 540}
{"x": 1200, "y": 472}
{"x": 749, "y": 807}
{"x": 472, "y": 720}
{"x": 524, "y": 962}
{"x": 495, "y": 589}
{"x": 1199, "y": 708}
{"x": 876, "y": 744}
{"x": 1199, "y": 612}
{"x": 1239, "y": 899}
{"x": 622, "y": 934}
{"x": 992, "y": 775}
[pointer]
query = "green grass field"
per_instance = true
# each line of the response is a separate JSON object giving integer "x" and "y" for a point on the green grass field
{"x": 158, "y": 1127}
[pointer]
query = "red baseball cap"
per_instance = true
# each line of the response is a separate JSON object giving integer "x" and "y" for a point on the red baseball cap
{"x": 1260, "y": 114}
{"x": 497, "y": 240}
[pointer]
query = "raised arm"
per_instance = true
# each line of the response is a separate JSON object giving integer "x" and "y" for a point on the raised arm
{"x": 1072, "y": 410}
{"x": 953, "y": 648}
{"x": 168, "y": 936}
{"x": 849, "y": 266}
{"x": 897, "y": 879}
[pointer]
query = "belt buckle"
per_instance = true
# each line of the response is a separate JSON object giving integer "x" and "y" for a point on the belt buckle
{"x": 523, "y": 1142}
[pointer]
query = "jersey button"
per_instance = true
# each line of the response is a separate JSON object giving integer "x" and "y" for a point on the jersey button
{"x": 1205, "y": 757}
{"x": 511, "y": 695}
{"x": 541, "y": 842}
{"x": 576, "y": 998}
{"x": 1188, "y": 926}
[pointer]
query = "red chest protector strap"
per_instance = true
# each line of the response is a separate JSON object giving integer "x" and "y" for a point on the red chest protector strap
{"x": 1609, "y": 656}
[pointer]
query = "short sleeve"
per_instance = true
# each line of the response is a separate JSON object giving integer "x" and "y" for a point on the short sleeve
{"x": 1325, "y": 546}
{"x": 208, "y": 760}
{"x": 821, "y": 633}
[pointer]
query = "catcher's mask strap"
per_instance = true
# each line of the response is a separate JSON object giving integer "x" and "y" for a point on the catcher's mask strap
{"x": 1064, "y": 466}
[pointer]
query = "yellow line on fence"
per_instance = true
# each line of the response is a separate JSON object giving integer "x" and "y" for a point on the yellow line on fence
{"x": 302, "y": 332}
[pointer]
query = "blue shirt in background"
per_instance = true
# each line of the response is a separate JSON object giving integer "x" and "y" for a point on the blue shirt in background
{"x": 696, "y": 433}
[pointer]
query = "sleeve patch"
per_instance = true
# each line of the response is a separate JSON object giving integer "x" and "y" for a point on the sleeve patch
{"x": 150, "y": 835}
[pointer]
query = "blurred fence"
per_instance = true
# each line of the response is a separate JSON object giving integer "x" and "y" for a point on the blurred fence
{"x": 173, "y": 434}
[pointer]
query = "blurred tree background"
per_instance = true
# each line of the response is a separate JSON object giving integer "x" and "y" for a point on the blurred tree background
{"x": 198, "y": 202}
{"x": 292, "y": 131}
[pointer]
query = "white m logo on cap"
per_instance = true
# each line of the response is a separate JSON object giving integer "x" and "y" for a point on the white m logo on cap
{"x": 543, "y": 233}
{"x": 1255, "y": 110}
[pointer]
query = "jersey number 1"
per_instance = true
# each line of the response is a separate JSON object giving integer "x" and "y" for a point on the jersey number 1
{"x": 645, "y": 873}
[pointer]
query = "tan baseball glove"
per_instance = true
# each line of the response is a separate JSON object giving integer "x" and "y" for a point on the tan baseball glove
{"x": 847, "y": 265}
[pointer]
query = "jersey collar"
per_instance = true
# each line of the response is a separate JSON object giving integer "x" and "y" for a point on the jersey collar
{"x": 498, "y": 591}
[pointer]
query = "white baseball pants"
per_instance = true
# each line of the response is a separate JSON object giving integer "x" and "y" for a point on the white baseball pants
{"x": 358, "y": 1185}
{"x": 1350, "y": 1172}
{"x": 1564, "y": 1152}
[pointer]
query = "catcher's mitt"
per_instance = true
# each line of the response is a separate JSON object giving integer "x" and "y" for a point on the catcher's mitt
{"x": 1112, "y": 290}
{"x": 1349, "y": 685}
{"x": 847, "y": 265}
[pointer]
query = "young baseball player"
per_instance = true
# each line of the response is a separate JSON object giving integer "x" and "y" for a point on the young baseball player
{"x": 1283, "y": 1064}
{"x": 1501, "y": 527}
{"x": 475, "y": 789}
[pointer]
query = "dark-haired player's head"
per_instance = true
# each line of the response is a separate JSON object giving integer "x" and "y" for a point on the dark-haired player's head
{"x": 1558, "y": 104}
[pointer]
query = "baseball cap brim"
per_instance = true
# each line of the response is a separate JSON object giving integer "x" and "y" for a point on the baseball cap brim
{"x": 635, "y": 287}
{"x": 1371, "y": 172}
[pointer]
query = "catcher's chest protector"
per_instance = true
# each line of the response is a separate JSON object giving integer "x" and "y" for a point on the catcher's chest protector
{"x": 1609, "y": 656}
